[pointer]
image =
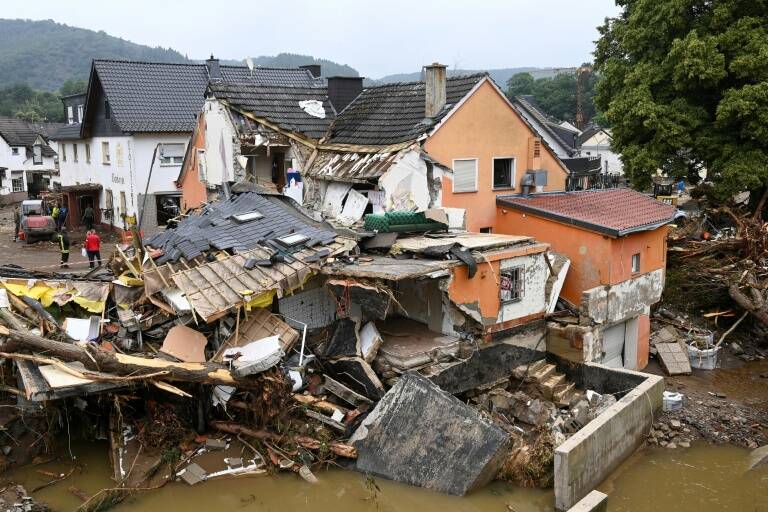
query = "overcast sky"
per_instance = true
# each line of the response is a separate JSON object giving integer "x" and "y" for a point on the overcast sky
{"x": 376, "y": 38}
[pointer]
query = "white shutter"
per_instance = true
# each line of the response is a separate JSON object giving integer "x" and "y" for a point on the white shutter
{"x": 465, "y": 175}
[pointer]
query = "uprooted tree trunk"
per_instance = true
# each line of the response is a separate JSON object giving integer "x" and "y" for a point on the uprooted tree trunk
{"x": 755, "y": 302}
{"x": 132, "y": 367}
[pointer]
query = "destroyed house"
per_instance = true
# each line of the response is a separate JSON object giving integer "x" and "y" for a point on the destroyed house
{"x": 255, "y": 133}
{"x": 27, "y": 161}
{"x": 135, "y": 128}
{"x": 449, "y": 142}
{"x": 239, "y": 252}
{"x": 616, "y": 241}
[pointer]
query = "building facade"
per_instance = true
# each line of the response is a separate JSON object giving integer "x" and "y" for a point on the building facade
{"x": 28, "y": 163}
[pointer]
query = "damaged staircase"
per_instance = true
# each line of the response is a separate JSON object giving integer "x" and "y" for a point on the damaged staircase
{"x": 552, "y": 385}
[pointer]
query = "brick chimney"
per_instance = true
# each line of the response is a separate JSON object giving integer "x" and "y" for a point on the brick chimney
{"x": 314, "y": 69}
{"x": 434, "y": 80}
{"x": 214, "y": 70}
{"x": 343, "y": 89}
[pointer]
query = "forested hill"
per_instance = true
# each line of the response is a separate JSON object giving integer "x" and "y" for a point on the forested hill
{"x": 45, "y": 54}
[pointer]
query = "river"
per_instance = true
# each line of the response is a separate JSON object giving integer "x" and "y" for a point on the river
{"x": 700, "y": 479}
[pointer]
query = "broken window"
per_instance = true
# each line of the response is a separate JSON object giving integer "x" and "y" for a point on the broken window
{"x": 503, "y": 172}
{"x": 168, "y": 207}
{"x": 465, "y": 175}
{"x": 172, "y": 154}
{"x": 512, "y": 284}
{"x": 636, "y": 263}
{"x": 201, "y": 165}
{"x": 37, "y": 154}
{"x": 104, "y": 153}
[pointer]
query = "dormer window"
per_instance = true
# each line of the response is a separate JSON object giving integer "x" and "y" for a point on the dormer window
{"x": 79, "y": 114}
{"x": 37, "y": 154}
{"x": 70, "y": 115}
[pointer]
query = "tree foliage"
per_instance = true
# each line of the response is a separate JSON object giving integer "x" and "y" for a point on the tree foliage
{"x": 685, "y": 87}
{"x": 24, "y": 102}
{"x": 557, "y": 94}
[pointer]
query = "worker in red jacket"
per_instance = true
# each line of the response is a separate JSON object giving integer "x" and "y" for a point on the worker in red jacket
{"x": 93, "y": 248}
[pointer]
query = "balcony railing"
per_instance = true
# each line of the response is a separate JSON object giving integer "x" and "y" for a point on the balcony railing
{"x": 593, "y": 180}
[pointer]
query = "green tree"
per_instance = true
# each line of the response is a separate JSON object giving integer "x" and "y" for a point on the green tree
{"x": 520, "y": 84}
{"x": 685, "y": 86}
{"x": 73, "y": 87}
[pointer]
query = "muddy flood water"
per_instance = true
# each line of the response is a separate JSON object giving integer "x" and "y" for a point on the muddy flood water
{"x": 701, "y": 479}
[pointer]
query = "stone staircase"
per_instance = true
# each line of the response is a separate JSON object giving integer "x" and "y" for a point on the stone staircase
{"x": 552, "y": 385}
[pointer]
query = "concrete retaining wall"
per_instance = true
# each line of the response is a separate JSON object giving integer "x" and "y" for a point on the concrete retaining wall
{"x": 593, "y": 453}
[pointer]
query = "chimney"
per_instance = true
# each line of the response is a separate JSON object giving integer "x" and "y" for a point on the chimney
{"x": 435, "y": 89}
{"x": 314, "y": 69}
{"x": 214, "y": 71}
{"x": 343, "y": 89}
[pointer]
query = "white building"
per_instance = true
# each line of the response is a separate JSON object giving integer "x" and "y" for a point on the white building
{"x": 596, "y": 141}
{"x": 124, "y": 156}
{"x": 27, "y": 161}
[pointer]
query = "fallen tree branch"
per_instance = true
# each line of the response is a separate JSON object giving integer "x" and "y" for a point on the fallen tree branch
{"x": 731, "y": 329}
{"x": 127, "y": 365}
{"x": 340, "y": 449}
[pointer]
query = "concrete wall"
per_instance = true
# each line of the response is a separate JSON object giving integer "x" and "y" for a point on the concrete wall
{"x": 589, "y": 456}
{"x": 483, "y": 127}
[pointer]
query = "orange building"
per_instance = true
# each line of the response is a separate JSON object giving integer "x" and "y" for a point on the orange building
{"x": 616, "y": 241}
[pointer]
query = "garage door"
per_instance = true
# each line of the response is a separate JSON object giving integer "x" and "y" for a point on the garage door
{"x": 613, "y": 345}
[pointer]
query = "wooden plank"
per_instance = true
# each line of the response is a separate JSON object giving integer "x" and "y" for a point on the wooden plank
{"x": 343, "y": 392}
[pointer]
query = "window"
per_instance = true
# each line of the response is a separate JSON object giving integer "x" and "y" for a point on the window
{"x": 63, "y": 152}
{"x": 536, "y": 148}
{"x": 87, "y": 153}
{"x": 512, "y": 284}
{"x": 503, "y": 172}
{"x": 201, "y": 165}
{"x": 79, "y": 113}
{"x": 70, "y": 115}
{"x": 74, "y": 152}
{"x": 465, "y": 175}
{"x": 171, "y": 154}
{"x": 167, "y": 208}
{"x": 486, "y": 230}
{"x": 107, "y": 111}
{"x": 17, "y": 184}
{"x": 105, "y": 152}
{"x": 636, "y": 263}
{"x": 14, "y": 151}
{"x": 37, "y": 154}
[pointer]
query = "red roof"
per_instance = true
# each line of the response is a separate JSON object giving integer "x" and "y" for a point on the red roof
{"x": 614, "y": 211}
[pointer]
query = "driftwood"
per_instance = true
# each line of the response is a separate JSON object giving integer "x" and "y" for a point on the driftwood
{"x": 126, "y": 365}
{"x": 340, "y": 449}
{"x": 12, "y": 320}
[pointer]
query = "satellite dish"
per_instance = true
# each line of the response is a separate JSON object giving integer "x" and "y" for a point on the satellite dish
{"x": 249, "y": 62}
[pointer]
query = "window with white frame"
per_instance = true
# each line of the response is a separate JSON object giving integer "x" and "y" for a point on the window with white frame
{"x": 636, "y": 263}
{"x": 63, "y": 152}
{"x": 70, "y": 115}
{"x": 80, "y": 113}
{"x": 503, "y": 172}
{"x": 465, "y": 175}
{"x": 172, "y": 154}
{"x": 17, "y": 184}
{"x": 202, "y": 171}
{"x": 74, "y": 152}
{"x": 512, "y": 284}
{"x": 15, "y": 151}
{"x": 105, "y": 153}
{"x": 87, "y": 153}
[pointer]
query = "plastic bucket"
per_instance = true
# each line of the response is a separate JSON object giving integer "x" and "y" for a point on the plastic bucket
{"x": 703, "y": 359}
{"x": 672, "y": 401}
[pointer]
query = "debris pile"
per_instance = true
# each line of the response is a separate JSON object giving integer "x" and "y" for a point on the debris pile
{"x": 251, "y": 339}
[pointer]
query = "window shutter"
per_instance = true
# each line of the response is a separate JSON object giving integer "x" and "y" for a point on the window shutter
{"x": 464, "y": 175}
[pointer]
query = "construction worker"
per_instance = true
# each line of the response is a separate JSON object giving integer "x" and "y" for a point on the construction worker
{"x": 63, "y": 240}
{"x": 17, "y": 222}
